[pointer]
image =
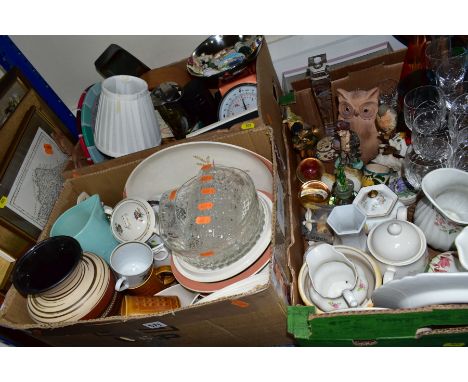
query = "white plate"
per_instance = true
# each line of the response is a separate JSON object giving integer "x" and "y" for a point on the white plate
{"x": 239, "y": 287}
{"x": 186, "y": 297}
{"x": 171, "y": 167}
{"x": 423, "y": 289}
{"x": 213, "y": 275}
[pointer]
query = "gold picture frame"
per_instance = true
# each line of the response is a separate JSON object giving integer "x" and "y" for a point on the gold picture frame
{"x": 13, "y": 88}
{"x": 36, "y": 137}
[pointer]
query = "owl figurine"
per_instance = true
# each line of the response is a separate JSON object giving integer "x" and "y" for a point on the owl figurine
{"x": 359, "y": 108}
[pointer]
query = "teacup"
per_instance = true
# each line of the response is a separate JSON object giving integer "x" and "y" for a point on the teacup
{"x": 133, "y": 219}
{"x": 132, "y": 263}
{"x": 334, "y": 278}
{"x": 375, "y": 173}
{"x": 159, "y": 279}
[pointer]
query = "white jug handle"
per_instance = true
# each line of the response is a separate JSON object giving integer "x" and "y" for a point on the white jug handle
{"x": 82, "y": 197}
{"x": 160, "y": 252}
{"x": 402, "y": 213}
{"x": 108, "y": 210}
{"x": 349, "y": 298}
{"x": 388, "y": 275}
{"x": 121, "y": 284}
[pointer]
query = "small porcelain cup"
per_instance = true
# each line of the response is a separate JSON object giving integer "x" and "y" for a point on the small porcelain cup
{"x": 333, "y": 276}
{"x": 132, "y": 263}
{"x": 375, "y": 173}
{"x": 133, "y": 219}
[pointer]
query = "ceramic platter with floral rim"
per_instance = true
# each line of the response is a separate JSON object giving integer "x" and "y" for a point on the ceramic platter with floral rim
{"x": 422, "y": 290}
{"x": 171, "y": 167}
{"x": 214, "y": 275}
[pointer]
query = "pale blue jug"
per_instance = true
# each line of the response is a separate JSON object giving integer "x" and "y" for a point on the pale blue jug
{"x": 88, "y": 224}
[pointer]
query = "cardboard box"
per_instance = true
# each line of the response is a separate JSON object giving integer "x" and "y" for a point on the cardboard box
{"x": 256, "y": 318}
{"x": 268, "y": 93}
{"x": 428, "y": 326}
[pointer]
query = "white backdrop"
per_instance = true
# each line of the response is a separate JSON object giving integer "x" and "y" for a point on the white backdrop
{"x": 67, "y": 62}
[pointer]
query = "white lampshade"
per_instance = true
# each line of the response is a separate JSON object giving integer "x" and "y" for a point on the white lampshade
{"x": 125, "y": 121}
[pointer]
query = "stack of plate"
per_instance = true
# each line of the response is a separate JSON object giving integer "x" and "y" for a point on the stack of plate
{"x": 171, "y": 167}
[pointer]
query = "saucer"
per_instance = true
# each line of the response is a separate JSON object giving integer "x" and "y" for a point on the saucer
{"x": 365, "y": 261}
{"x": 204, "y": 287}
{"x": 214, "y": 275}
{"x": 423, "y": 289}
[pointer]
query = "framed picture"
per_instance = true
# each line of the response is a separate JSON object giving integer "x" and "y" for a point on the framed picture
{"x": 13, "y": 87}
{"x": 31, "y": 176}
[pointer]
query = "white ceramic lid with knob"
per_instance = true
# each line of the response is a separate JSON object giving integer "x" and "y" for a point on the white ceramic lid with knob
{"x": 396, "y": 242}
{"x": 375, "y": 201}
{"x": 133, "y": 219}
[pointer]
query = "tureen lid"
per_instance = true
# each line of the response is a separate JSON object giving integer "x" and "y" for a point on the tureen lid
{"x": 133, "y": 219}
{"x": 396, "y": 242}
{"x": 376, "y": 200}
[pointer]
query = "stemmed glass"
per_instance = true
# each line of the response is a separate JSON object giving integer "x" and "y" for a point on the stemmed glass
{"x": 424, "y": 99}
{"x": 449, "y": 74}
{"x": 458, "y": 115}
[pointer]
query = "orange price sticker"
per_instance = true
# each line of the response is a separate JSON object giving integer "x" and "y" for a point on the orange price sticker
{"x": 205, "y": 206}
{"x": 206, "y": 167}
{"x": 48, "y": 149}
{"x": 240, "y": 303}
{"x": 203, "y": 219}
{"x": 208, "y": 191}
{"x": 206, "y": 178}
{"x": 172, "y": 195}
{"x": 207, "y": 254}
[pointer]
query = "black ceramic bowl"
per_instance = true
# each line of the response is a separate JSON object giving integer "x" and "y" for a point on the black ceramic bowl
{"x": 46, "y": 264}
{"x": 216, "y": 44}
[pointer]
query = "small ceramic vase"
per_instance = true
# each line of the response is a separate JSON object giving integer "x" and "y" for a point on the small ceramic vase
{"x": 348, "y": 224}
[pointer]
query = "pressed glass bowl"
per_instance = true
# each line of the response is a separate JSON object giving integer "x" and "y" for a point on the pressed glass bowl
{"x": 213, "y": 219}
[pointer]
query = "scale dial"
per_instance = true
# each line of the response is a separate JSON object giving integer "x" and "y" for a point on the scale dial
{"x": 237, "y": 100}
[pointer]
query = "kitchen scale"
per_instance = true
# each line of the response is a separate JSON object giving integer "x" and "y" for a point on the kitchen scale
{"x": 238, "y": 101}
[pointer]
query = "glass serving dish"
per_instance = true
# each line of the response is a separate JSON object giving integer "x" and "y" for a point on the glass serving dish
{"x": 213, "y": 219}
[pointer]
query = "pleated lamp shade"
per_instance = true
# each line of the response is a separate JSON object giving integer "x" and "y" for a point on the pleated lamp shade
{"x": 125, "y": 121}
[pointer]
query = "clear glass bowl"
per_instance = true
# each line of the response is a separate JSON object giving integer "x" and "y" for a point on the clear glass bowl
{"x": 416, "y": 167}
{"x": 213, "y": 219}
